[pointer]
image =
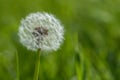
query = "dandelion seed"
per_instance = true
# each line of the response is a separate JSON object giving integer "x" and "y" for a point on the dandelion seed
{"x": 41, "y": 31}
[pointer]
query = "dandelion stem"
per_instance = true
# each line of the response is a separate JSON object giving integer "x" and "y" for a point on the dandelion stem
{"x": 37, "y": 66}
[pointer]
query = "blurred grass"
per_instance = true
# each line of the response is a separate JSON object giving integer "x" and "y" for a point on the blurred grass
{"x": 91, "y": 47}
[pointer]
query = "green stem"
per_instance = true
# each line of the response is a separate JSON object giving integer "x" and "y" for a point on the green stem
{"x": 37, "y": 65}
{"x": 17, "y": 64}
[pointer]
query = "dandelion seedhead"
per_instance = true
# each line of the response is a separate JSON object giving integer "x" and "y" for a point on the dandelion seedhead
{"x": 41, "y": 31}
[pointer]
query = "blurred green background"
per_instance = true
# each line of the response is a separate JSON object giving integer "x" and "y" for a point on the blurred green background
{"x": 91, "y": 49}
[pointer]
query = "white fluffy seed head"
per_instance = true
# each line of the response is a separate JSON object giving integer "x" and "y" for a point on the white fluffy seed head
{"x": 41, "y": 31}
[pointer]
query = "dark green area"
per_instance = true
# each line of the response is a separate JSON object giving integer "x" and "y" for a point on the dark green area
{"x": 91, "y": 49}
